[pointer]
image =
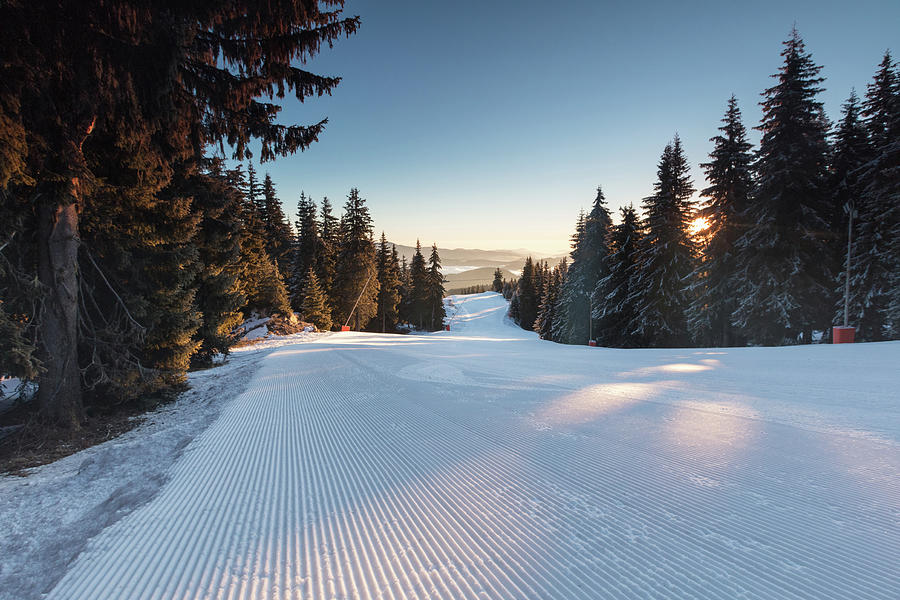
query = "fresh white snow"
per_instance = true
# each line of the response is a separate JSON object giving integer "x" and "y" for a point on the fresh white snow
{"x": 483, "y": 462}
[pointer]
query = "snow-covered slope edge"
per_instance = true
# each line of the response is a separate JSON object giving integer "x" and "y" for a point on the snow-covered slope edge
{"x": 73, "y": 499}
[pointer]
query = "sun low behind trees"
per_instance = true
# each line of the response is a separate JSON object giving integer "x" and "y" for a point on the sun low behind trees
{"x": 769, "y": 263}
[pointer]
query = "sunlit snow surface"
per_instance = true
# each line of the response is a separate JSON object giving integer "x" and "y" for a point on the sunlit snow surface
{"x": 485, "y": 463}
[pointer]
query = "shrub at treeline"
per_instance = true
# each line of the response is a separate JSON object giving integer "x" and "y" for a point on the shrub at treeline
{"x": 770, "y": 267}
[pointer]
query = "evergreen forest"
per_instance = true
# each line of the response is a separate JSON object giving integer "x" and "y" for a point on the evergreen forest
{"x": 788, "y": 239}
{"x": 134, "y": 241}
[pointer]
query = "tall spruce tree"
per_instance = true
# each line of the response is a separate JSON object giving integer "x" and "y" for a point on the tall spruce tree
{"x": 314, "y": 306}
{"x": 727, "y": 198}
{"x": 542, "y": 283}
{"x": 594, "y": 266}
{"x": 875, "y": 281}
{"x": 783, "y": 272}
{"x": 406, "y": 293}
{"x": 435, "y": 291}
{"x": 497, "y": 284}
{"x": 513, "y": 312}
{"x": 614, "y": 310}
{"x": 260, "y": 280}
{"x": 569, "y": 290}
{"x": 355, "y": 291}
{"x": 387, "y": 316}
{"x": 139, "y": 255}
{"x": 253, "y": 195}
{"x": 170, "y": 79}
{"x": 326, "y": 258}
{"x": 666, "y": 256}
{"x": 418, "y": 274}
{"x": 279, "y": 238}
{"x": 527, "y": 294}
{"x": 306, "y": 248}
{"x": 219, "y": 293}
{"x": 589, "y": 264}
{"x": 549, "y": 299}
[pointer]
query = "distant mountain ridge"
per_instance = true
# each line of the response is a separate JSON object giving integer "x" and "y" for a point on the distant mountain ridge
{"x": 456, "y": 282}
{"x": 468, "y": 256}
{"x": 473, "y": 257}
{"x": 479, "y": 264}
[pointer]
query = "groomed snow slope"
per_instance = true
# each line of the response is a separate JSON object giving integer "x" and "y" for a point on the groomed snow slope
{"x": 484, "y": 463}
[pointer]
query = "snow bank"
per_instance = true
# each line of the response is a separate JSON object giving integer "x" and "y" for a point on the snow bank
{"x": 47, "y": 517}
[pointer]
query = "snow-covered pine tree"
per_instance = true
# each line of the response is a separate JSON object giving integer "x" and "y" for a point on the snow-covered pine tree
{"x": 279, "y": 238}
{"x": 435, "y": 290}
{"x": 405, "y": 309}
{"x": 783, "y": 269}
{"x": 355, "y": 282}
{"x": 306, "y": 247}
{"x": 594, "y": 265}
{"x": 513, "y": 312}
{"x": 557, "y": 328}
{"x": 727, "y": 197}
{"x": 261, "y": 282}
{"x": 560, "y": 331}
{"x": 666, "y": 256}
{"x": 614, "y": 311}
{"x": 497, "y": 284}
{"x": 387, "y": 316}
{"x": 546, "y": 312}
{"x": 314, "y": 307}
{"x": 326, "y": 259}
{"x": 418, "y": 275}
{"x": 540, "y": 288}
{"x": 527, "y": 293}
{"x": 875, "y": 268}
{"x": 253, "y": 193}
{"x": 589, "y": 264}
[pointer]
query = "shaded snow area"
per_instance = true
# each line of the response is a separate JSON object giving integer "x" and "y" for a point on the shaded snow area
{"x": 481, "y": 462}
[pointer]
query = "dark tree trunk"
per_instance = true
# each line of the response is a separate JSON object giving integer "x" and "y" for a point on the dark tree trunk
{"x": 59, "y": 395}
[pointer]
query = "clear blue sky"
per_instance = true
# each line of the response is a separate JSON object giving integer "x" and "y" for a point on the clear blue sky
{"x": 490, "y": 124}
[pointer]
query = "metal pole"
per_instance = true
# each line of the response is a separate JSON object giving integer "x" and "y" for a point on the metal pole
{"x": 590, "y": 318}
{"x": 850, "y": 211}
